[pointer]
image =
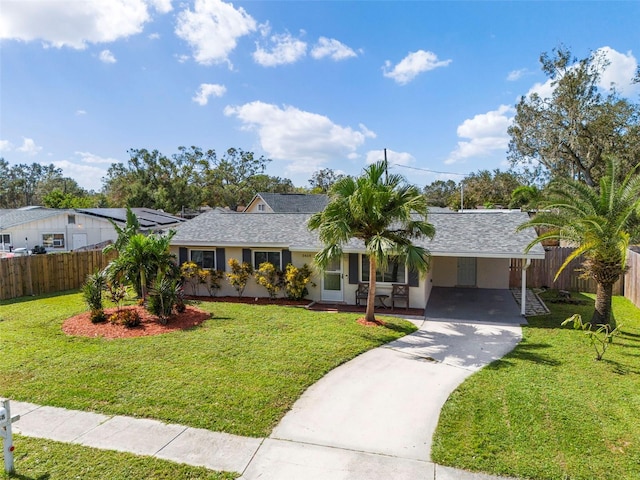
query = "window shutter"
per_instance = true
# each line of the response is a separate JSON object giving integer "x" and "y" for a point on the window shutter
{"x": 414, "y": 278}
{"x": 246, "y": 255}
{"x": 353, "y": 268}
{"x": 220, "y": 260}
{"x": 286, "y": 258}
{"x": 183, "y": 255}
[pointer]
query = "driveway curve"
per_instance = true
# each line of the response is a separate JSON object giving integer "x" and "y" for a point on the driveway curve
{"x": 374, "y": 417}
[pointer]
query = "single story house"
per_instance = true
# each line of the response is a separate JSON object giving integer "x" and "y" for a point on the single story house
{"x": 62, "y": 230}
{"x": 469, "y": 250}
{"x": 264, "y": 202}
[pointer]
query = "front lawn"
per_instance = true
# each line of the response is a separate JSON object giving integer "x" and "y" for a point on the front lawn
{"x": 237, "y": 373}
{"x": 40, "y": 459}
{"x": 548, "y": 410}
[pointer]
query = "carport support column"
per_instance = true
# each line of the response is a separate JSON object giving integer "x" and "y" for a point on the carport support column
{"x": 523, "y": 295}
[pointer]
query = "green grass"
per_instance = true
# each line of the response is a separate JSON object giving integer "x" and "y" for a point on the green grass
{"x": 237, "y": 373}
{"x": 549, "y": 410}
{"x": 37, "y": 459}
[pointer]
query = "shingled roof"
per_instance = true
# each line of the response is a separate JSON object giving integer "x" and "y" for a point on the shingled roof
{"x": 487, "y": 234}
{"x": 293, "y": 202}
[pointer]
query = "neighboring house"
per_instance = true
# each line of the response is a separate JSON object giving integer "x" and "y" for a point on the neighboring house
{"x": 469, "y": 249}
{"x": 61, "y": 230}
{"x": 286, "y": 203}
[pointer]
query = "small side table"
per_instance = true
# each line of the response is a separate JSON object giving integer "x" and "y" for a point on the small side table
{"x": 381, "y": 297}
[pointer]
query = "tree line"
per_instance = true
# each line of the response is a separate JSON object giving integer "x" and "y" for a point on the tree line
{"x": 569, "y": 134}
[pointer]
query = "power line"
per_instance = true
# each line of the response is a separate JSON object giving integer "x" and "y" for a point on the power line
{"x": 431, "y": 171}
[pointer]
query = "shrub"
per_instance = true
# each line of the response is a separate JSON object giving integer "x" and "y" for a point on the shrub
{"x": 128, "y": 317}
{"x": 239, "y": 275}
{"x": 600, "y": 338}
{"x": 98, "y": 316}
{"x": 92, "y": 290}
{"x": 214, "y": 281}
{"x": 190, "y": 272}
{"x": 117, "y": 292}
{"x": 296, "y": 281}
{"x": 269, "y": 277}
{"x": 163, "y": 296}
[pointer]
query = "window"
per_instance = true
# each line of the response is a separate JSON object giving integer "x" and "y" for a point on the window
{"x": 261, "y": 207}
{"x": 71, "y": 219}
{"x": 271, "y": 257}
{"x": 53, "y": 240}
{"x": 396, "y": 271}
{"x": 204, "y": 258}
{"x": 5, "y": 239}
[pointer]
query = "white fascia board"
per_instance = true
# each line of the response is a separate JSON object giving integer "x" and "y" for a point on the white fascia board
{"x": 488, "y": 255}
{"x": 200, "y": 243}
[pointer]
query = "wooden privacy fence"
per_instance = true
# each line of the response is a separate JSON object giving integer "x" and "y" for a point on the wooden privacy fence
{"x": 56, "y": 272}
{"x": 632, "y": 277}
{"x": 541, "y": 273}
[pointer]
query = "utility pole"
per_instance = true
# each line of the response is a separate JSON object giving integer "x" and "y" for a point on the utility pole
{"x": 386, "y": 167}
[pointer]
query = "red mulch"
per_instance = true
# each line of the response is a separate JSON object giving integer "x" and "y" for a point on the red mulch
{"x": 81, "y": 325}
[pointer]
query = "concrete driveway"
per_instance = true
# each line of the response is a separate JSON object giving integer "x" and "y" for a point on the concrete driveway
{"x": 374, "y": 417}
{"x": 474, "y": 304}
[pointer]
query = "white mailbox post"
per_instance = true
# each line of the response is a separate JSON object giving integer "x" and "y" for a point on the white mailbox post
{"x": 5, "y": 432}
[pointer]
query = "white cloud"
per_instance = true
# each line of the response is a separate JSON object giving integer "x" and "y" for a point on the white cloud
{"x": 5, "y": 146}
{"x": 620, "y": 71}
{"x": 207, "y": 90}
{"x": 29, "y": 147}
{"x": 107, "y": 57}
{"x": 486, "y": 134}
{"x": 61, "y": 23}
{"x": 87, "y": 157}
{"x": 412, "y": 65}
{"x": 81, "y": 112}
{"x": 283, "y": 49}
{"x": 153, "y": 36}
{"x": 394, "y": 158}
{"x": 212, "y": 30}
{"x": 517, "y": 74}
{"x": 307, "y": 140}
{"x": 329, "y": 47}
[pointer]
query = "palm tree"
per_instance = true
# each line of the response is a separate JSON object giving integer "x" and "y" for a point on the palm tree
{"x": 598, "y": 223}
{"x": 141, "y": 259}
{"x": 131, "y": 228}
{"x": 381, "y": 210}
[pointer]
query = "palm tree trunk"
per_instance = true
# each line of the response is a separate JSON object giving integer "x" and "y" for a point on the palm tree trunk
{"x": 602, "y": 312}
{"x": 370, "y": 315}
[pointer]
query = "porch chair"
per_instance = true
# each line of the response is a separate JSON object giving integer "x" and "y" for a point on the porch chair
{"x": 362, "y": 293}
{"x": 399, "y": 291}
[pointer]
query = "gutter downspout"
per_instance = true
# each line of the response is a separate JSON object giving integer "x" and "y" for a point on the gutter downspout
{"x": 523, "y": 295}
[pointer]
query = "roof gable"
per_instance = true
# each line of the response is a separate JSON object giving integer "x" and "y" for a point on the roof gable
{"x": 291, "y": 202}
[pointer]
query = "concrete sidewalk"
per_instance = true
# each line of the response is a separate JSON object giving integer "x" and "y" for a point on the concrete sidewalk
{"x": 371, "y": 418}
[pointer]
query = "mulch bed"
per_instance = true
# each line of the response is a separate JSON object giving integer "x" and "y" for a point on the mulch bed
{"x": 81, "y": 325}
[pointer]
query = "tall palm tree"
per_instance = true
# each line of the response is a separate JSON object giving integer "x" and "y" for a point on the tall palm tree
{"x": 141, "y": 259}
{"x": 384, "y": 212}
{"x": 130, "y": 228}
{"x": 598, "y": 223}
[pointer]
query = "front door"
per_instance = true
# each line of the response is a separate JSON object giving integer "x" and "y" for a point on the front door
{"x": 79, "y": 240}
{"x": 466, "y": 272}
{"x": 332, "y": 281}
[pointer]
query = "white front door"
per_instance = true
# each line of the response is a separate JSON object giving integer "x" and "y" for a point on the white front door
{"x": 79, "y": 240}
{"x": 466, "y": 272}
{"x": 332, "y": 281}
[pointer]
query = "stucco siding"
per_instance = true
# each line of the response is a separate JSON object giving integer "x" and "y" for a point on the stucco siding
{"x": 445, "y": 271}
{"x": 493, "y": 273}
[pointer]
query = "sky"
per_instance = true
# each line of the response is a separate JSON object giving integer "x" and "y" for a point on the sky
{"x": 307, "y": 84}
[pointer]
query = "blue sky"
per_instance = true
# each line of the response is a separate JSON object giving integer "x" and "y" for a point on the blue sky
{"x": 309, "y": 84}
